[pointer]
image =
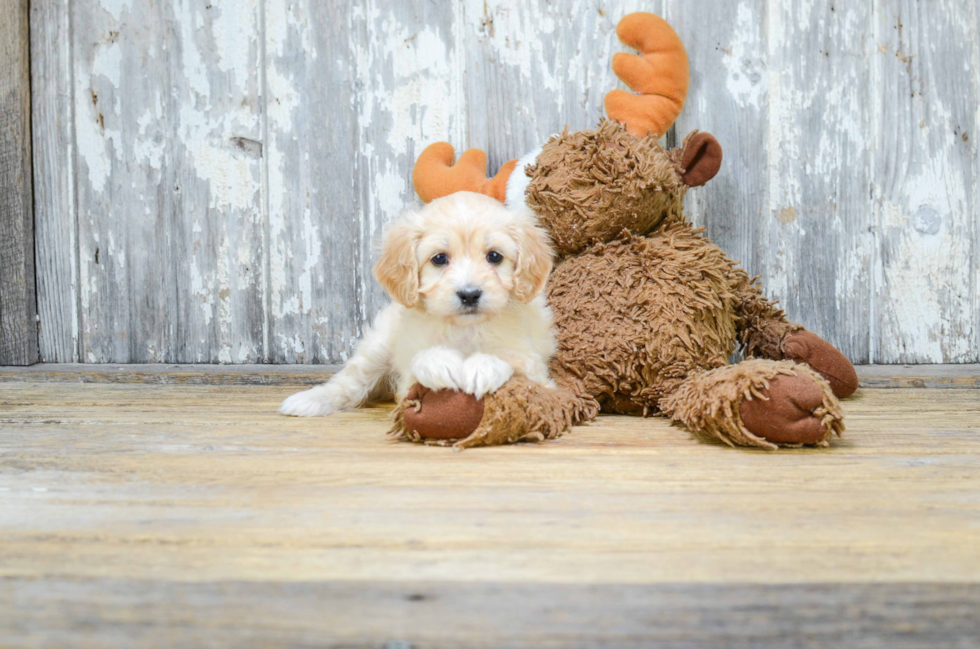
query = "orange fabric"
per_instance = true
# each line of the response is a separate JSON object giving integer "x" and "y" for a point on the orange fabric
{"x": 659, "y": 73}
{"x": 497, "y": 186}
{"x": 435, "y": 175}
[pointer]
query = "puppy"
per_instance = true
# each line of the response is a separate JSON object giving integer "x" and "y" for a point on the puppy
{"x": 466, "y": 275}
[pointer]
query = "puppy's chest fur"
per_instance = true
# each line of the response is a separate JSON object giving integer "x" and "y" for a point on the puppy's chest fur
{"x": 522, "y": 331}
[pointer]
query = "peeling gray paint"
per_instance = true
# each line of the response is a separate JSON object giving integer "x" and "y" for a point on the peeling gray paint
{"x": 234, "y": 162}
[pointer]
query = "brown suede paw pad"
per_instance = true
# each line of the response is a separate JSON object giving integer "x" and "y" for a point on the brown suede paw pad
{"x": 442, "y": 414}
{"x": 824, "y": 358}
{"x": 788, "y": 415}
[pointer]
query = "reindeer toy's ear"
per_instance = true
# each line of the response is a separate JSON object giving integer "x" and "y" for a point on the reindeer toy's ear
{"x": 700, "y": 159}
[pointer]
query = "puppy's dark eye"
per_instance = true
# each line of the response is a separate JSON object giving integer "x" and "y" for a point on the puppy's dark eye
{"x": 440, "y": 260}
{"x": 494, "y": 257}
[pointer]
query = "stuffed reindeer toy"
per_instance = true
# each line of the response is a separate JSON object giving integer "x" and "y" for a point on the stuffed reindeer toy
{"x": 647, "y": 309}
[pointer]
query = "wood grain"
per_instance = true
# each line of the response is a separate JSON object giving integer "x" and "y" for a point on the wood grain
{"x": 109, "y": 613}
{"x": 820, "y": 244}
{"x": 195, "y": 512}
{"x": 259, "y": 148}
{"x": 313, "y": 206}
{"x": 126, "y": 183}
{"x": 534, "y": 67}
{"x": 184, "y": 374}
{"x": 870, "y": 376}
{"x": 55, "y": 223}
{"x": 216, "y": 108}
{"x": 727, "y": 46}
{"x": 18, "y": 305}
{"x": 167, "y": 121}
{"x": 926, "y": 181}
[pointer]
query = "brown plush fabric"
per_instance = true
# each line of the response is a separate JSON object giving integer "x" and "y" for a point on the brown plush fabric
{"x": 636, "y": 316}
{"x": 711, "y": 405}
{"x": 762, "y": 325}
{"x": 589, "y": 186}
{"x": 701, "y": 159}
{"x": 809, "y": 348}
{"x": 785, "y": 412}
{"x": 647, "y": 310}
{"x": 763, "y": 338}
{"x": 441, "y": 414}
{"x": 520, "y": 411}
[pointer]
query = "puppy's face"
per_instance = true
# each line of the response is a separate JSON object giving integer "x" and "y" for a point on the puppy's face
{"x": 464, "y": 257}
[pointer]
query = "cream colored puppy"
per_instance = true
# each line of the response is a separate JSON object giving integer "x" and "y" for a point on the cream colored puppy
{"x": 466, "y": 275}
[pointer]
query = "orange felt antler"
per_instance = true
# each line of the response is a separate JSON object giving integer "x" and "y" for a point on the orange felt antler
{"x": 435, "y": 175}
{"x": 659, "y": 74}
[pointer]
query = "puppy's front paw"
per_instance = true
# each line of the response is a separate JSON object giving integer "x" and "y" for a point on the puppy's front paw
{"x": 310, "y": 403}
{"x": 439, "y": 368}
{"x": 484, "y": 373}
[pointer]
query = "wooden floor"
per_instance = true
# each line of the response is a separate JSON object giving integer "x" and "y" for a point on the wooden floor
{"x": 166, "y": 515}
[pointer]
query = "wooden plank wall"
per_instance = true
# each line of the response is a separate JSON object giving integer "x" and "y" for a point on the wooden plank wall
{"x": 18, "y": 327}
{"x": 213, "y": 177}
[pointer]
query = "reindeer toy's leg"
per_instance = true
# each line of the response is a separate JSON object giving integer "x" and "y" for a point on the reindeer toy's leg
{"x": 786, "y": 394}
{"x": 757, "y": 402}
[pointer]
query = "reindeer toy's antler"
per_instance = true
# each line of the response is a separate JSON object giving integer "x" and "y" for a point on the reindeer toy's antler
{"x": 659, "y": 73}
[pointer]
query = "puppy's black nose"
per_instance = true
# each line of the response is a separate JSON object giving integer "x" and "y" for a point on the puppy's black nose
{"x": 469, "y": 296}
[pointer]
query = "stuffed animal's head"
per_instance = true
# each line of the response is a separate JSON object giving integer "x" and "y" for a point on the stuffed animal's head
{"x": 590, "y": 186}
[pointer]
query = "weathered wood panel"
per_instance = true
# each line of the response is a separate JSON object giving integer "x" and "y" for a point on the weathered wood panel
{"x": 122, "y": 613}
{"x": 125, "y": 180}
{"x": 820, "y": 244}
{"x": 167, "y": 121}
{"x": 236, "y": 162}
{"x": 195, "y": 515}
{"x": 216, "y": 140}
{"x": 18, "y": 329}
{"x": 313, "y": 212}
{"x": 408, "y": 75}
{"x": 727, "y": 45}
{"x": 532, "y": 68}
{"x": 926, "y": 180}
{"x": 55, "y": 225}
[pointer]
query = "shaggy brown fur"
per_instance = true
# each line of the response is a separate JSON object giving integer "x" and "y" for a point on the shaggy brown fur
{"x": 588, "y": 186}
{"x": 642, "y": 301}
{"x": 520, "y": 411}
{"x": 709, "y": 403}
{"x": 648, "y": 311}
{"x": 635, "y": 316}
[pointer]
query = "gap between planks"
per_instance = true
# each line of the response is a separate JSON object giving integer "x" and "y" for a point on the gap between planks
{"x": 870, "y": 376}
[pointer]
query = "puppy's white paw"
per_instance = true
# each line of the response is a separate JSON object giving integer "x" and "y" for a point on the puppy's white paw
{"x": 439, "y": 367}
{"x": 310, "y": 403}
{"x": 484, "y": 373}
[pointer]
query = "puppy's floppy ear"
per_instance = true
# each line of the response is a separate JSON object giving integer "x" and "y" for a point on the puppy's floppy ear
{"x": 398, "y": 268}
{"x": 533, "y": 259}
